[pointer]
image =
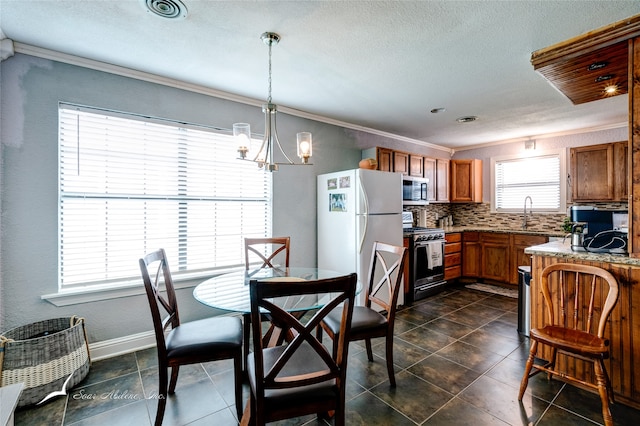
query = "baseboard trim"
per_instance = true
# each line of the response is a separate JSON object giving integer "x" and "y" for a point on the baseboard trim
{"x": 121, "y": 345}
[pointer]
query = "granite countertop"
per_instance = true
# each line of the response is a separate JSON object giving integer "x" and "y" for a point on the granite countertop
{"x": 467, "y": 228}
{"x": 562, "y": 249}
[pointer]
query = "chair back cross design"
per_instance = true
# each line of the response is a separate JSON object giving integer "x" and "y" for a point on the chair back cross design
{"x": 387, "y": 283}
{"x": 257, "y": 247}
{"x": 301, "y": 376}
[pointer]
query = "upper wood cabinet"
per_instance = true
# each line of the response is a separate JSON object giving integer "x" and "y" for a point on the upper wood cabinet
{"x": 416, "y": 165}
{"x": 385, "y": 159}
{"x": 401, "y": 162}
{"x": 599, "y": 172}
{"x": 466, "y": 181}
{"x": 430, "y": 173}
{"x": 437, "y": 171}
{"x": 442, "y": 180}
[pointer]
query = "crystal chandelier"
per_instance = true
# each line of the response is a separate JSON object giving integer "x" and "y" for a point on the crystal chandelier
{"x": 264, "y": 156}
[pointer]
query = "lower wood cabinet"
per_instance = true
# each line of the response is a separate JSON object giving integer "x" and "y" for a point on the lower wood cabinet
{"x": 452, "y": 256}
{"x": 471, "y": 254}
{"x": 519, "y": 242}
{"x": 496, "y": 255}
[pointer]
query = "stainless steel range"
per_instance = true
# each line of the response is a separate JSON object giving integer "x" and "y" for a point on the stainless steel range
{"x": 426, "y": 259}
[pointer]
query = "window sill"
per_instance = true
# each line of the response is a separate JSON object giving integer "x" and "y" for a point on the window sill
{"x": 79, "y": 296}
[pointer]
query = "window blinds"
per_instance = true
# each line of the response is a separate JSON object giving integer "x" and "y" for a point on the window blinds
{"x": 130, "y": 185}
{"x": 537, "y": 177}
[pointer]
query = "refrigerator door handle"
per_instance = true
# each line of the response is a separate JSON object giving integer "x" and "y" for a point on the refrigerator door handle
{"x": 365, "y": 215}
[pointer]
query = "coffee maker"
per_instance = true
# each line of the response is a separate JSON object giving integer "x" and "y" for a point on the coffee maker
{"x": 604, "y": 231}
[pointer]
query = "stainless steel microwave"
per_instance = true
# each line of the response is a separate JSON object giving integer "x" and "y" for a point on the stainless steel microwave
{"x": 414, "y": 190}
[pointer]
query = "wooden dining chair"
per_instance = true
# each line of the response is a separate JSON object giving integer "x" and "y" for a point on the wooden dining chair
{"x": 301, "y": 376}
{"x": 578, "y": 300}
{"x": 384, "y": 285}
{"x": 205, "y": 340}
{"x": 269, "y": 251}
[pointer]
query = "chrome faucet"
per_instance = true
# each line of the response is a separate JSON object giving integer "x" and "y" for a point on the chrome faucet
{"x": 524, "y": 219}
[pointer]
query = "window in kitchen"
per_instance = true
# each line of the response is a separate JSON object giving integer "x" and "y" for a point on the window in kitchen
{"x": 130, "y": 184}
{"x": 538, "y": 177}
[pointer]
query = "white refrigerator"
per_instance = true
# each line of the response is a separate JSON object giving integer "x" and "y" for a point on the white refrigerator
{"x": 356, "y": 208}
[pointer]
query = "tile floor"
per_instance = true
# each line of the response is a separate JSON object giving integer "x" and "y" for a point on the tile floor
{"x": 458, "y": 357}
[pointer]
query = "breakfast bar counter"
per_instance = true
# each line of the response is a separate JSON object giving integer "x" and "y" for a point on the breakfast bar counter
{"x": 623, "y": 329}
{"x": 562, "y": 249}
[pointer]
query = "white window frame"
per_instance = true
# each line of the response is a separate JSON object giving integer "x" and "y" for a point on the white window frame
{"x": 562, "y": 156}
{"x": 127, "y": 280}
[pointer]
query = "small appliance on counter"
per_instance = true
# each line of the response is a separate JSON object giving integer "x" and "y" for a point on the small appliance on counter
{"x": 601, "y": 231}
{"x": 414, "y": 191}
{"x": 577, "y": 236}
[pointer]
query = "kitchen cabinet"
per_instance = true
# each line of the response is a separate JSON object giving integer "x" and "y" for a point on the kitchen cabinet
{"x": 442, "y": 180}
{"x": 437, "y": 171}
{"x": 466, "y": 181}
{"x": 415, "y": 165}
{"x": 599, "y": 172}
{"x": 401, "y": 162}
{"x": 495, "y": 256}
{"x": 471, "y": 254}
{"x": 430, "y": 173}
{"x": 518, "y": 257}
{"x": 452, "y": 255}
{"x": 385, "y": 159}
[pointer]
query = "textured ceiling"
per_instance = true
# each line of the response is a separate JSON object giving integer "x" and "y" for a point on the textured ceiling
{"x": 375, "y": 64}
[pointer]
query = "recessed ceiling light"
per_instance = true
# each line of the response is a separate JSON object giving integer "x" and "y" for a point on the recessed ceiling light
{"x": 605, "y": 77}
{"x": 168, "y": 9}
{"x": 467, "y": 119}
{"x": 437, "y": 110}
{"x": 597, "y": 65}
{"x": 611, "y": 89}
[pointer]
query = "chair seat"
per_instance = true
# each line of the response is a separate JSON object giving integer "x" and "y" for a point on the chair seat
{"x": 575, "y": 341}
{"x": 364, "y": 319}
{"x": 204, "y": 336}
{"x": 304, "y": 361}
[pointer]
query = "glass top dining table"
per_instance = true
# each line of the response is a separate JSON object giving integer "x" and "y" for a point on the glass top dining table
{"x": 230, "y": 292}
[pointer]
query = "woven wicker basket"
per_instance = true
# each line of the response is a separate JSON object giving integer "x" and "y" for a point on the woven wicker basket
{"x": 43, "y": 355}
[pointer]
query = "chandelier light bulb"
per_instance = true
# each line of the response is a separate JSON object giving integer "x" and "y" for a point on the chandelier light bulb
{"x": 242, "y": 135}
{"x": 304, "y": 145}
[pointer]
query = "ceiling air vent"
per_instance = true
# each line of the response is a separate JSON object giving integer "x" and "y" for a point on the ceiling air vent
{"x": 467, "y": 119}
{"x": 168, "y": 9}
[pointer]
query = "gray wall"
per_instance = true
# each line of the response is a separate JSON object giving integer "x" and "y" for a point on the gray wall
{"x": 30, "y": 91}
{"x": 542, "y": 144}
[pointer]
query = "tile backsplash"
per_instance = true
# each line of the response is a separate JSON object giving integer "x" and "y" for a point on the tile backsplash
{"x": 480, "y": 215}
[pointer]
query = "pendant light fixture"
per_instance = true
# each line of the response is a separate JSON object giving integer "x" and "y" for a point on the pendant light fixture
{"x": 264, "y": 156}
